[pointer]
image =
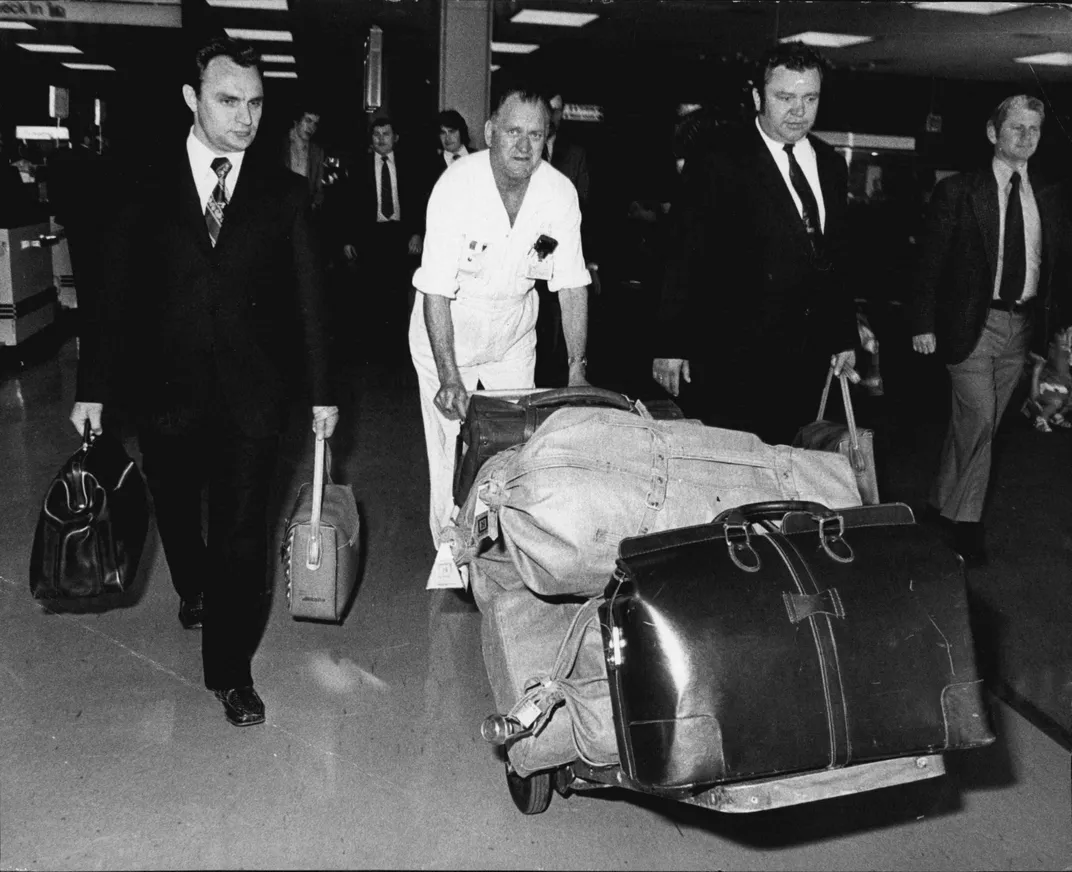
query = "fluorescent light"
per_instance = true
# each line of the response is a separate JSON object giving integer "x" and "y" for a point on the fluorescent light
{"x": 1053, "y": 59}
{"x": 554, "y": 19}
{"x": 269, "y": 5}
{"x": 16, "y": 25}
{"x": 514, "y": 47}
{"x": 969, "y": 8}
{"x": 48, "y": 48}
{"x": 277, "y": 59}
{"x": 36, "y": 131}
{"x": 101, "y": 67}
{"x": 827, "y": 40}
{"x": 280, "y": 74}
{"x": 262, "y": 35}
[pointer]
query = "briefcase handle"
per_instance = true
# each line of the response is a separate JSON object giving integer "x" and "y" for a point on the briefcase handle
{"x": 769, "y": 510}
{"x": 321, "y": 460}
{"x": 855, "y": 455}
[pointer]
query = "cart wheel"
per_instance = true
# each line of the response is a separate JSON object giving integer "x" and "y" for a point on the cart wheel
{"x": 562, "y": 778}
{"x": 531, "y": 795}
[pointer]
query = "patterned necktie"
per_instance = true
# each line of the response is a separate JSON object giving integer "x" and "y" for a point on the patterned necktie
{"x": 218, "y": 201}
{"x": 1014, "y": 260}
{"x": 387, "y": 197}
{"x": 807, "y": 201}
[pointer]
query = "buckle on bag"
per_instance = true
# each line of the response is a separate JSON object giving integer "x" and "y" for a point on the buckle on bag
{"x": 734, "y": 547}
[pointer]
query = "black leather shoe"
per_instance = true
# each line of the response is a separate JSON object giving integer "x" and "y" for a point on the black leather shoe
{"x": 191, "y": 611}
{"x": 242, "y": 705}
{"x": 968, "y": 542}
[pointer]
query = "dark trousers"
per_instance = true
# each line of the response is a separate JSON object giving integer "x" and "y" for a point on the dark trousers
{"x": 181, "y": 454}
{"x": 385, "y": 290}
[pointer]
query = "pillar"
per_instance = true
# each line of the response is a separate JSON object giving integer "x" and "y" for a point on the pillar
{"x": 465, "y": 62}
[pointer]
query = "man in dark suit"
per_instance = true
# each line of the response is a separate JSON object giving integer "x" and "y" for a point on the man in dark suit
{"x": 214, "y": 295}
{"x": 993, "y": 262}
{"x": 383, "y": 235}
{"x": 754, "y": 307}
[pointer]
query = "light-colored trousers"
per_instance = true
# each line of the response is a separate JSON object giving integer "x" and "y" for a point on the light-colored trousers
{"x": 513, "y": 372}
{"x": 982, "y": 385}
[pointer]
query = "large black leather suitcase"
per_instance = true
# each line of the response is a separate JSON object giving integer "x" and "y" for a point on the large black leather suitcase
{"x": 495, "y": 423}
{"x": 736, "y": 650}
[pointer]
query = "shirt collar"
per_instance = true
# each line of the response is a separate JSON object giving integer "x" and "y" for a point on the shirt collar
{"x": 777, "y": 148}
{"x": 389, "y": 157}
{"x": 201, "y": 156}
{"x": 1003, "y": 173}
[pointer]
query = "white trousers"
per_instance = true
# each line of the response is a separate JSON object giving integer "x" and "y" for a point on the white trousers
{"x": 513, "y": 372}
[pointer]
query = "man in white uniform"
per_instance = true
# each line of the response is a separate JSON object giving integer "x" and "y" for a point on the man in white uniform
{"x": 489, "y": 218}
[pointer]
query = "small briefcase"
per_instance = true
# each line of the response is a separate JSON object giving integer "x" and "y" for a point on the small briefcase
{"x": 321, "y": 547}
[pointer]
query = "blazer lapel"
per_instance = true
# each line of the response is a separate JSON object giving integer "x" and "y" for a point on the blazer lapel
{"x": 984, "y": 200}
{"x": 189, "y": 206}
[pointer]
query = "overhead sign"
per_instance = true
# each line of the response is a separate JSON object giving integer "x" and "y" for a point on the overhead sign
{"x": 582, "y": 112}
{"x": 164, "y": 13}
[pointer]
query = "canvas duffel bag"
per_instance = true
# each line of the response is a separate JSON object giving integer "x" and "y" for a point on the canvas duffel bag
{"x": 559, "y": 505}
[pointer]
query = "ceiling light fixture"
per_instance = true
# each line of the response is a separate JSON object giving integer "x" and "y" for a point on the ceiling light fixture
{"x": 280, "y": 74}
{"x": 267, "y": 5}
{"x": 262, "y": 35}
{"x": 554, "y": 19}
{"x": 104, "y": 68}
{"x": 1052, "y": 59}
{"x": 970, "y": 8}
{"x": 278, "y": 59}
{"x": 514, "y": 47}
{"x": 48, "y": 48}
{"x": 495, "y": 67}
{"x": 827, "y": 40}
{"x": 16, "y": 25}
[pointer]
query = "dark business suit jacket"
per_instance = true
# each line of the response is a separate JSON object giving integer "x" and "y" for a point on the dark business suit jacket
{"x": 955, "y": 280}
{"x": 414, "y": 185}
{"x": 180, "y": 324}
{"x": 743, "y": 285}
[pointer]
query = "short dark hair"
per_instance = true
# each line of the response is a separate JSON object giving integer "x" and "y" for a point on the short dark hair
{"x": 1002, "y": 110}
{"x": 242, "y": 53}
{"x": 795, "y": 56}
{"x": 303, "y": 109}
{"x": 452, "y": 119}
{"x": 381, "y": 121}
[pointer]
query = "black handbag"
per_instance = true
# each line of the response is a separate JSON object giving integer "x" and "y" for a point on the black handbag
{"x": 93, "y": 523}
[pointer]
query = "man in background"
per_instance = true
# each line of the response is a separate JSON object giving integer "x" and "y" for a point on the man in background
{"x": 993, "y": 263}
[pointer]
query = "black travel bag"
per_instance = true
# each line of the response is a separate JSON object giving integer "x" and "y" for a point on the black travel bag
{"x": 92, "y": 527}
{"x": 494, "y": 423}
{"x": 787, "y": 637}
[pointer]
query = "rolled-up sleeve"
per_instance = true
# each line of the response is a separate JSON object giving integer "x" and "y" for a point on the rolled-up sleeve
{"x": 569, "y": 271}
{"x": 443, "y": 239}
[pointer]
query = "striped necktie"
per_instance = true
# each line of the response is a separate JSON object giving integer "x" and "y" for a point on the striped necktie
{"x": 218, "y": 201}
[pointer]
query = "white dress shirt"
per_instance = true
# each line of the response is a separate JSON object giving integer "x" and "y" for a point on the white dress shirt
{"x": 201, "y": 158}
{"x": 390, "y": 158}
{"x": 474, "y": 257}
{"x": 1032, "y": 228}
{"x": 805, "y": 155}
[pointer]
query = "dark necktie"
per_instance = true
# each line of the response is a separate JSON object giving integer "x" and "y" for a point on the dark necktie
{"x": 1014, "y": 261}
{"x": 807, "y": 200}
{"x": 387, "y": 197}
{"x": 218, "y": 201}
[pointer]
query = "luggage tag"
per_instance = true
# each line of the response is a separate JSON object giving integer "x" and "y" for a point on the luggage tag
{"x": 485, "y": 522}
{"x": 541, "y": 263}
{"x": 445, "y": 574}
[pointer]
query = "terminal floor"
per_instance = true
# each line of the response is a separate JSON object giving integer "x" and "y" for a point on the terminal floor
{"x": 114, "y": 756}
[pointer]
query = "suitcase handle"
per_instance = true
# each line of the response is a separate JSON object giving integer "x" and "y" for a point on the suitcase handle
{"x": 770, "y": 510}
{"x": 578, "y": 395}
